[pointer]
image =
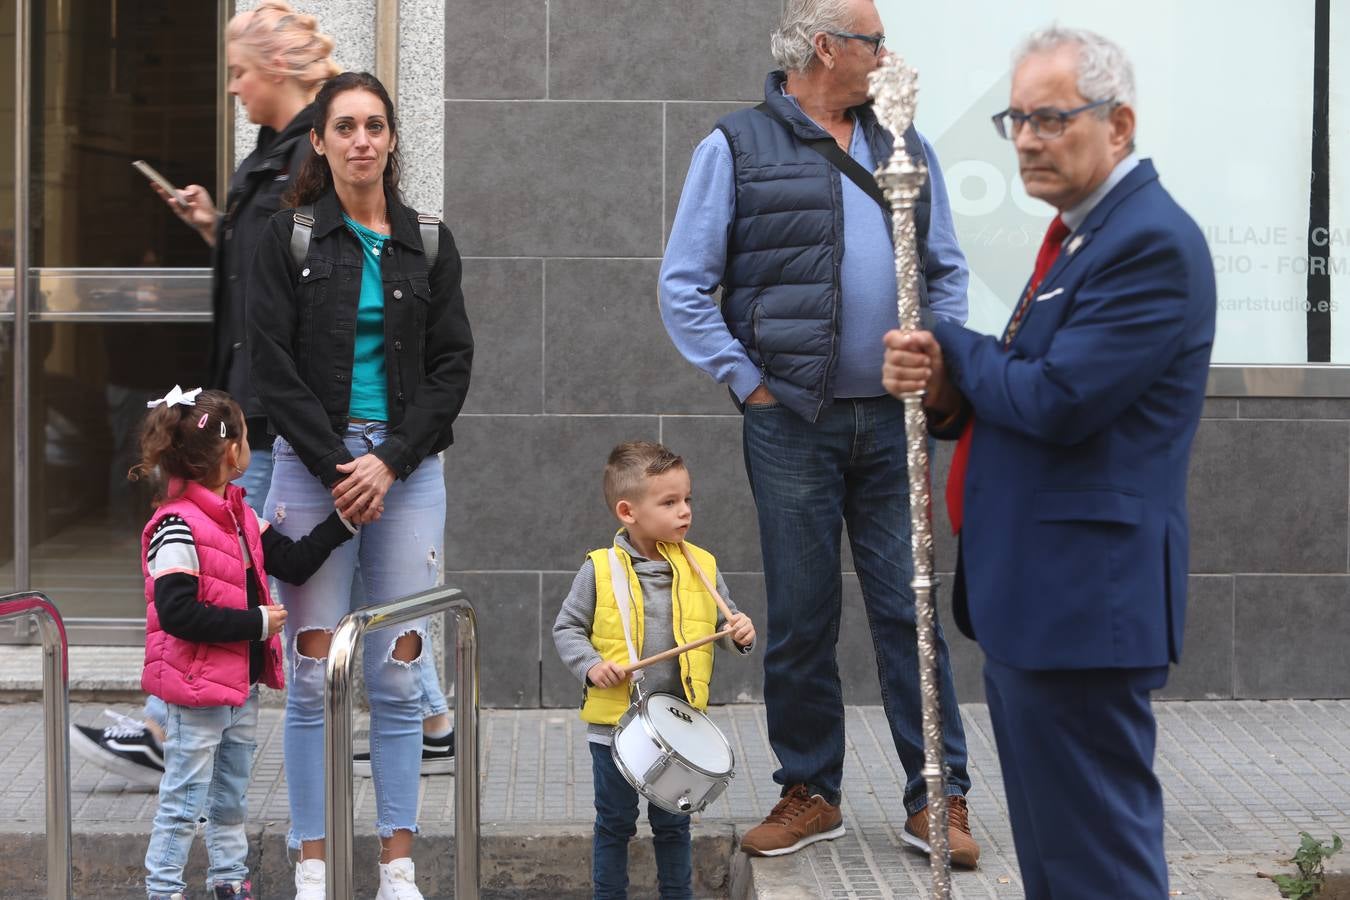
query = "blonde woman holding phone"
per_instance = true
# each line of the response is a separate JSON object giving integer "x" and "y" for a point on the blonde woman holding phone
{"x": 277, "y": 60}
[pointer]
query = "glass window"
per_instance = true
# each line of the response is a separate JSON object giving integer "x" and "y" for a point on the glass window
{"x": 113, "y": 81}
{"x": 1225, "y": 107}
{"x": 7, "y": 120}
{"x": 1335, "y": 239}
{"x": 116, "y": 82}
{"x": 6, "y": 429}
{"x": 91, "y": 382}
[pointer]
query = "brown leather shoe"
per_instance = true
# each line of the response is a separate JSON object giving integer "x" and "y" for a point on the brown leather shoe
{"x": 800, "y": 818}
{"x": 965, "y": 852}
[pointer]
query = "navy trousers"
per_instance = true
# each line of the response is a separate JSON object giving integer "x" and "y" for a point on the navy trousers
{"x": 1077, "y": 751}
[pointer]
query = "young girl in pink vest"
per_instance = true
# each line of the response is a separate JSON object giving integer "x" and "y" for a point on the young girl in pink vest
{"x": 210, "y": 630}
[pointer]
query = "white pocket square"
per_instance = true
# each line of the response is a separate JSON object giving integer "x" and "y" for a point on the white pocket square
{"x": 1050, "y": 295}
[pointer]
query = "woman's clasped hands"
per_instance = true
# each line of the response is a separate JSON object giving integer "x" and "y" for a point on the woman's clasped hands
{"x": 360, "y": 496}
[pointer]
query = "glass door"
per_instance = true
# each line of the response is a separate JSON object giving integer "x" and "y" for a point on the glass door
{"x": 119, "y": 302}
{"x": 8, "y": 125}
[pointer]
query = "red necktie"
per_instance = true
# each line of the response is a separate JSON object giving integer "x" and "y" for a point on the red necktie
{"x": 956, "y": 478}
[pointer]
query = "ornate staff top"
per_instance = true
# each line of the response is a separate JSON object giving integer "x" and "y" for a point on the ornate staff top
{"x": 894, "y": 87}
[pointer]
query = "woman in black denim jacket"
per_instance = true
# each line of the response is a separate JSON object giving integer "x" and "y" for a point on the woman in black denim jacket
{"x": 302, "y": 329}
{"x": 361, "y": 357}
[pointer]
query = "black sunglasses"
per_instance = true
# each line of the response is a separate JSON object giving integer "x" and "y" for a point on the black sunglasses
{"x": 876, "y": 40}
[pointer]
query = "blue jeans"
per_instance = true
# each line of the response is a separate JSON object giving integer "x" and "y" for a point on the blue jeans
{"x": 257, "y": 479}
{"x": 208, "y": 757}
{"x": 399, "y": 554}
{"x": 433, "y": 702}
{"x": 156, "y": 711}
{"x": 433, "y": 695}
{"x": 808, "y": 480}
{"x": 616, "y": 815}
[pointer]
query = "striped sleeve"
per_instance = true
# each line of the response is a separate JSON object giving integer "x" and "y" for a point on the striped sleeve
{"x": 171, "y": 549}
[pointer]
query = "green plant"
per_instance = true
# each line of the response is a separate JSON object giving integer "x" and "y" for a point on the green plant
{"x": 1309, "y": 859}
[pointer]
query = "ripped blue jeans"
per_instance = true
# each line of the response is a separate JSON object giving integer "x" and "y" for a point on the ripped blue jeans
{"x": 399, "y": 554}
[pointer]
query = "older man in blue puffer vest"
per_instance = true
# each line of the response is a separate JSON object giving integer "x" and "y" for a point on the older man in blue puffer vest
{"x": 802, "y": 251}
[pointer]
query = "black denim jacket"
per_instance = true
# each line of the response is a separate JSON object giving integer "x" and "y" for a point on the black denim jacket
{"x": 302, "y": 334}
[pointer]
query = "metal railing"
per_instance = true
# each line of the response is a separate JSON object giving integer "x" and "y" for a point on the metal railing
{"x": 56, "y": 723}
{"x": 337, "y": 741}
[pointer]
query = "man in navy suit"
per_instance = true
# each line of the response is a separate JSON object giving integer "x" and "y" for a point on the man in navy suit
{"x": 1070, "y": 476}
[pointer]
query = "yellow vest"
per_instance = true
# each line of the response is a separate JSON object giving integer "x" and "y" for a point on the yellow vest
{"x": 694, "y": 616}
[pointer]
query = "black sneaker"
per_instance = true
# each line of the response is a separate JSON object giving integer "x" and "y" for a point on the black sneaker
{"x": 125, "y": 749}
{"x": 438, "y": 757}
{"x": 234, "y": 890}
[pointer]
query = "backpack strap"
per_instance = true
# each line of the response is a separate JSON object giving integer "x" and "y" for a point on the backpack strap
{"x": 301, "y": 233}
{"x": 430, "y": 227}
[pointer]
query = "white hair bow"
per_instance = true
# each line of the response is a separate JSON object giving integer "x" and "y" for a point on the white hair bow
{"x": 176, "y": 397}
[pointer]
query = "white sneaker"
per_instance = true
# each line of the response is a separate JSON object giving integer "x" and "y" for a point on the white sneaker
{"x": 311, "y": 880}
{"x": 396, "y": 881}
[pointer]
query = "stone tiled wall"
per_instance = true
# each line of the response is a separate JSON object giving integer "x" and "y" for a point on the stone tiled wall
{"x": 568, "y": 130}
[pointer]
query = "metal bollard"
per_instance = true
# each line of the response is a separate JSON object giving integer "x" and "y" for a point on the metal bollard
{"x": 337, "y": 740}
{"x": 56, "y": 726}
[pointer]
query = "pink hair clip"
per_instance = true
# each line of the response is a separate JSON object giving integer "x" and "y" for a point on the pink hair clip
{"x": 201, "y": 423}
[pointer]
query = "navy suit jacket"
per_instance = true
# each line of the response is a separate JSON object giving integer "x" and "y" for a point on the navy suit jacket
{"x": 1074, "y": 542}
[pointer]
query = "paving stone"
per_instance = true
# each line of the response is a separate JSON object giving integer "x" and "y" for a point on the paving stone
{"x": 1240, "y": 780}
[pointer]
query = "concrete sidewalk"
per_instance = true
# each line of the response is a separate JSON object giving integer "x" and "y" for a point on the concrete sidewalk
{"x": 1241, "y": 779}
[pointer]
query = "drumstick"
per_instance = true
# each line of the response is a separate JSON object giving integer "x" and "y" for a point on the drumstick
{"x": 703, "y": 576}
{"x": 674, "y": 651}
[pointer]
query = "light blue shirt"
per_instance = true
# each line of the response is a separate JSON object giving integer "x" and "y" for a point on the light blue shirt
{"x": 696, "y": 256}
{"x": 1078, "y": 214}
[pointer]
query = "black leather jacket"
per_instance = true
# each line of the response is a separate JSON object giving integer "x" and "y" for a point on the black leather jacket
{"x": 302, "y": 333}
{"x": 254, "y": 197}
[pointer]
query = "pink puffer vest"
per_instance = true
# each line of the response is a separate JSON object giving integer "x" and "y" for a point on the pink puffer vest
{"x": 198, "y": 674}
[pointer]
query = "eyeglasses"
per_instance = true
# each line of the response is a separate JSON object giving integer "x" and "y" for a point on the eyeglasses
{"x": 876, "y": 40}
{"x": 1047, "y": 123}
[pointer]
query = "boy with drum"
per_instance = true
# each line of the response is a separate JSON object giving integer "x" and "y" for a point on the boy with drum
{"x": 670, "y": 604}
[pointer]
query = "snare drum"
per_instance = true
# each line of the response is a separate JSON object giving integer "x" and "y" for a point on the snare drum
{"x": 672, "y": 754}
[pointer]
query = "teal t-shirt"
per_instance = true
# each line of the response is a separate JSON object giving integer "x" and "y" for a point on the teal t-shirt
{"x": 369, "y": 397}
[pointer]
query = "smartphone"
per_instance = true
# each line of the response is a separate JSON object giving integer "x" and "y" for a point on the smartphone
{"x": 149, "y": 172}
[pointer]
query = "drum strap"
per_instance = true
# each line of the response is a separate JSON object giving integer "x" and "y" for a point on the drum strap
{"x": 618, "y": 576}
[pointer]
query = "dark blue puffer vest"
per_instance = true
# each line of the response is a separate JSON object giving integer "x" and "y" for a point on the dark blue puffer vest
{"x": 786, "y": 245}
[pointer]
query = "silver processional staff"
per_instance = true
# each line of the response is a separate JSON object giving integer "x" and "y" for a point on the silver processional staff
{"x": 894, "y": 88}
